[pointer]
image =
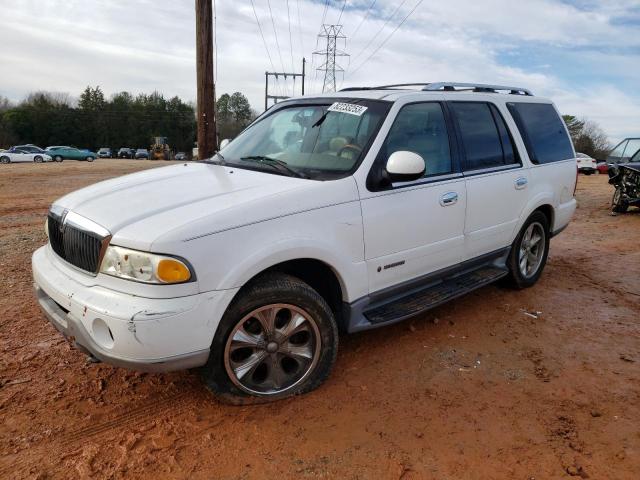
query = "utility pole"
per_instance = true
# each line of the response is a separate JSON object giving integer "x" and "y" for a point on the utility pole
{"x": 332, "y": 34}
{"x": 206, "y": 93}
{"x": 277, "y": 75}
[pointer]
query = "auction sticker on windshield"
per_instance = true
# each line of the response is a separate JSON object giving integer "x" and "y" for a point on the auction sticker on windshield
{"x": 347, "y": 108}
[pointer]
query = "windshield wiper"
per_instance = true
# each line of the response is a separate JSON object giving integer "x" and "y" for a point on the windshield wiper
{"x": 274, "y": 162}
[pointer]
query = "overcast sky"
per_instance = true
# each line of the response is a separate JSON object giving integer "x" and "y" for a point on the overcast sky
{"x": 584, "y": 54}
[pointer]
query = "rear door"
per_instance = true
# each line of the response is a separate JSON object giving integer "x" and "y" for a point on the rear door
{"x": 496, "y": 181}
{"x": 415, "y": 228}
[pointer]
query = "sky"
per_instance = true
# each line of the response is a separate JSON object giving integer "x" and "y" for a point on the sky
{"x": 583, "y": 54}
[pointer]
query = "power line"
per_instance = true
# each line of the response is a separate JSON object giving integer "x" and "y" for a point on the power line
{"x": 264, "y": 41}
{"x": 344, "y": 4}
{"x": 390, "y": 35}
{"x": 375, "y": 36}
{"x": 300, "y": 27}
{"x": 275, "y": 32}
{"x": 366, "y": 15}
{"x": 291, "y": 47}
{"x": 324, "y": 14}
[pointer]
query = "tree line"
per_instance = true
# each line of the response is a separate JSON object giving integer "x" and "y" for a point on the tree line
{"x": 123, "y": 120}
{"x": 588, "y": 137}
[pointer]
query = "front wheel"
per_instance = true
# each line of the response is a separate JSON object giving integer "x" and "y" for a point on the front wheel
{"x": 37, "y": 159}
{"x": 618, "y": 203}
{"x": 58, "y": 158}
{"x": 89, "y": 159}
{"x": 529, "y": 252}
{"x": 277, "y": 339}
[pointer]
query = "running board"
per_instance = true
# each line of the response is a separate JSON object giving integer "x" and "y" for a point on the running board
{"x": 420, "y": 301}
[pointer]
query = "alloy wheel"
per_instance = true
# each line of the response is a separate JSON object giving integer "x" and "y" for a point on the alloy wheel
{"x": 272, "y": 349}
{"x": 532, "y": 247}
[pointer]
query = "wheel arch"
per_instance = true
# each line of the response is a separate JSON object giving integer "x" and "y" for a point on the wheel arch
{"x": 317, "y": 273}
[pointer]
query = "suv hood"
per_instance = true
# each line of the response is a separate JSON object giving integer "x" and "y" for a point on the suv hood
{"x": 183, "y": 201}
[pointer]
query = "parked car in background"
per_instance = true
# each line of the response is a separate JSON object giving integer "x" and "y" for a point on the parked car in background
{"x": 381, "y": 204}
{"x": 586, "y": 164}
{"x": 17, "y": 155}
{"x": 104, "y": 152}
{"x": 30, "y": 148}
{"x": 125, "y": 153}
{"x": 624, "y": 151}
{"x": 181, "y": 156}
{"x": 142, "y": 153}
{"x": 602, "y": 167}
{"x": 60, "y": 153}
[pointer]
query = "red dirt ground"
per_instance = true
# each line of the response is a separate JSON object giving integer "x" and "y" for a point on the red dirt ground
{"x": 481, "y": 388}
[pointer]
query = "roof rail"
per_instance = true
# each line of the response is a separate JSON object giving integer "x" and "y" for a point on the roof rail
{"x": 476, "y": 87}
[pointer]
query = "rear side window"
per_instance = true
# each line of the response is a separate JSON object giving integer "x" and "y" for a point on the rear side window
{"x": 543, "y": 132}
{"x": 484, "y": 134}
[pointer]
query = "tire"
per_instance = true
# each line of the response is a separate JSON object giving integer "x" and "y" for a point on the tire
{"x": 290, "y": 304}
{"x": 89, "y": 159}
{"x": 618, "y": 204}
{"x": 5, "y": 159}
{"x": 57, "y": 158}
{"x": 536, "y": 253}
{"x": 37, "y": 159}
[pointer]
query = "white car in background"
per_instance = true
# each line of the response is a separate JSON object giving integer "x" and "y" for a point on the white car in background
{"x": 17, "y": 155}
{"x": 586, "y": 164}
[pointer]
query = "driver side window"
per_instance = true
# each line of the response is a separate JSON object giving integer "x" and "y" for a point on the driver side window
{"x": 421, "y": 128}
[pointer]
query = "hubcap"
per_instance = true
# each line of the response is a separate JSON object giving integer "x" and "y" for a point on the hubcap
{"x": 272, "y": 349}
{"x": 532, "y": 248}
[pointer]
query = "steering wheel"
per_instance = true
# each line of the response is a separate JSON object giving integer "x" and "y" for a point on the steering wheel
{"x": 351, "y": 147}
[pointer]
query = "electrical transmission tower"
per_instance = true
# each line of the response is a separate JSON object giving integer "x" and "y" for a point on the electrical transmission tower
{"x": 332, "y": 34}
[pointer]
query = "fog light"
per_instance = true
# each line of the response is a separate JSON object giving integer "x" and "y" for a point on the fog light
{"x": 102, "y": 333}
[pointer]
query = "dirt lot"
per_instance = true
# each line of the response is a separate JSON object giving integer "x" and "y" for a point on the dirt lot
{"x": 482, "y": 388}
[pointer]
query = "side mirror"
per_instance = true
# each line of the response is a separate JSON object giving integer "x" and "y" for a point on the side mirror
{"x": 404, "y": 166}
{"x": 224, "y": 143}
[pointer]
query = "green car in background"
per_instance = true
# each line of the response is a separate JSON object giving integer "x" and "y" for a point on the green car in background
{"x": 59, "y": 153}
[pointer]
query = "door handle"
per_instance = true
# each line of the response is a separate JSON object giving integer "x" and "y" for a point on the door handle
{"x": 521, "y": 183}
{"x": 449, "y": 198}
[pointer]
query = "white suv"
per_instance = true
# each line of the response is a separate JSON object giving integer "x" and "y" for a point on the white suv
{"x": 346, "y": 211}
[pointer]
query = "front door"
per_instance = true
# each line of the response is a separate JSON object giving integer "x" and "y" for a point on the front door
{"x": 414, "y": 228}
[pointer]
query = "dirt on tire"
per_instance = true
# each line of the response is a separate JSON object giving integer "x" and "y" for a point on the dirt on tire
{"x": 538, "y": 383}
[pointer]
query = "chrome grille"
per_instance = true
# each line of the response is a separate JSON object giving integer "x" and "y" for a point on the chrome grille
{"x": 78, "y": 246}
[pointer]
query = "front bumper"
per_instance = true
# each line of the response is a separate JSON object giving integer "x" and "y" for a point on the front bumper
{"x": 146, "y": 334}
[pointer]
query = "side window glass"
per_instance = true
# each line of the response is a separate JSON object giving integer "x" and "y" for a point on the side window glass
{"x": 631, "y": 149}
{"x": 421, "y": 128}
{"x": 508, "y": 150}
{"x": 617, "y": 152}
{"x": 482, "y": 145}
{"x": 543, "y": 131}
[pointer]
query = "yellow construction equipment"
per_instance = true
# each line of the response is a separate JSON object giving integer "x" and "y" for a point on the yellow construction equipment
{"x": 160, "y": 149}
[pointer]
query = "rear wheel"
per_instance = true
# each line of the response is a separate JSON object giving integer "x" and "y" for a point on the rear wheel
{"x": 278, "y": 338}
{"x": 529, "y": 252}
{"x": 5, "y": 159}
{"x": 618, "y": 203}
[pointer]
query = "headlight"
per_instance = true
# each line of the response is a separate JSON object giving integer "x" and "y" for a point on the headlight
{"x": 144, "y": 267}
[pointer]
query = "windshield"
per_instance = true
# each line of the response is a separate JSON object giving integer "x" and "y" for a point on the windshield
{"x": 324, "y": 140}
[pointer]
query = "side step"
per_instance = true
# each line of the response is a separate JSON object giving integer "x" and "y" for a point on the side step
{"x": 419, "y": 301}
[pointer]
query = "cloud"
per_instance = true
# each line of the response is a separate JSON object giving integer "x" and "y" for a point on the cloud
{"x": 581, "y": 53}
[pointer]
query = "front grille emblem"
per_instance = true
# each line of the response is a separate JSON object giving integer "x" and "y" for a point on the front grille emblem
{"x": 63, "y": 217}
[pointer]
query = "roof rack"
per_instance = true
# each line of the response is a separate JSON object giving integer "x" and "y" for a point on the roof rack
{"x": 449, "y": 87}
{"x": 475, "y": 87}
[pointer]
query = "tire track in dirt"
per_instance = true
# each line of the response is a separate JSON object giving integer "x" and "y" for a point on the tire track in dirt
{"x": 147, "y": 411}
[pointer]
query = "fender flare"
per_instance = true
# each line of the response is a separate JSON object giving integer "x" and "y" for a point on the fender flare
{"x": 542, "y": 198}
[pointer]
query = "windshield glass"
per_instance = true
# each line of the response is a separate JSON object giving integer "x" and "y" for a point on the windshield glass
{"x": 319, "y": 141}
